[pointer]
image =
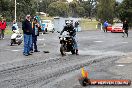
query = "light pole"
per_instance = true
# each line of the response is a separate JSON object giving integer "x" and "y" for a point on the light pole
{"x": 15, "y": 10}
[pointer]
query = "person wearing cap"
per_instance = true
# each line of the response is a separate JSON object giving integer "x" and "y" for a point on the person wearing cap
{"x": 27, "y": 31}
{"x": 35, "y": 27}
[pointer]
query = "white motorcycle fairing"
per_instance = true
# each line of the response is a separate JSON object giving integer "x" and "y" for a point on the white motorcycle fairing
{"x": 14, "y": 35}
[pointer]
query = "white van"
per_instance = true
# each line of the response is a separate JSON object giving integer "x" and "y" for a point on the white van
{"x": 48, "y": 25}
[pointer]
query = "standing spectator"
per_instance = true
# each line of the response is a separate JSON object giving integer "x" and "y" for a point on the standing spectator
{"x": 27, "y": 30}
{"x": 105, "y": 26}
{"x": 99, "y": 26}
{"x": 2, "y": 28}
{"x": 125, "y": 28}
{"x": 35, "y": 33}
{"x": 15, "y": 26}
{"x": 76, "y": 25}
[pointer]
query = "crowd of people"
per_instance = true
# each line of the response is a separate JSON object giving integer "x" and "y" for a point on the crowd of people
{"x": 31, "y": 31}
{"x": 31, "y": 26}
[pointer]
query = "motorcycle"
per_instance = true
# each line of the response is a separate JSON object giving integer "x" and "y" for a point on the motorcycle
{"x": 67, "y": 45}
{"x": 16, "y": 37}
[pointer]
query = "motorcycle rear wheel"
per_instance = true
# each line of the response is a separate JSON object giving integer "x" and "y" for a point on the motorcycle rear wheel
{"x": 19, "y": 43}
{"x": 12, "y": 42}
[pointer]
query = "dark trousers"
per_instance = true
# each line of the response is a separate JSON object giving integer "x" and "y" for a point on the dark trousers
{"x": 34, "y": 43}
{"x": 2, "y": 33}
{"x": 125, "y": 32}
{"x": 105, "y": 29}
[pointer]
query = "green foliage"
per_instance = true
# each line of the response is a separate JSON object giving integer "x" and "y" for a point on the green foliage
{"x": 24, "y": 7}
{"x": 73, "y": 6}
{"x": 105, "y": 10}
{"x": 58, "y": 9}
{"x": 52, "y": 7}
{"x": 89, "y": 7}
{"x": 74, "y": 9}
{"x": 43, "y": 5}
{"x": 125, "y": 11}
{"x": 80, "y": 11}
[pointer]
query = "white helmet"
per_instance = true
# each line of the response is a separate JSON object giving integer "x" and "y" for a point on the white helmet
{"x": 68, "y": 22}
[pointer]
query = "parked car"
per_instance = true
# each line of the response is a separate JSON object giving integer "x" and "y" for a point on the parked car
{"x": 117, "y": 27}
{"x": 109, "y": 28}
{"x": 47, "y": 25}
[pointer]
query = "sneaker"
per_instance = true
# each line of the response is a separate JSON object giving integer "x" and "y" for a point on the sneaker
{"x": 29, "y": 54}
{"x": 77, "y": 52}
{"x": 31, "y": 51}
{"x": 25, "y": 54}
{"x": 36, "y": 51}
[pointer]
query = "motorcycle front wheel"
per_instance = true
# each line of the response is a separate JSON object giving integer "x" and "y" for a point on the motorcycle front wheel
{"x": 73, "y": 51}
{"x": 62, "y": 50}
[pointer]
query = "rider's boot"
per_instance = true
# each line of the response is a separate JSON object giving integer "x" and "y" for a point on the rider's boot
{"x": 77, "y": 52}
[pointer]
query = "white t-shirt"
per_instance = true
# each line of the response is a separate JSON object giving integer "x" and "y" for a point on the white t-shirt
{"x": 15, "y": 25}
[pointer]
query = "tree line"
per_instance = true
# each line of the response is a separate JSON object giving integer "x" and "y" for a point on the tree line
{"x": 100, "y": 9}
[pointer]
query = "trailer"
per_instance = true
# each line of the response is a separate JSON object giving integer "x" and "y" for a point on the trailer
{"x": 59, "y": 22}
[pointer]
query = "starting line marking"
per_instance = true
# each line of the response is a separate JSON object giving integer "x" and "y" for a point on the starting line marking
{"x": 98, "y": 41}
{"x": 41, "y": 39}
{"x": 120, "y": 65}
{"x": 15, "y": 50}
{"x": 124, "y": 42}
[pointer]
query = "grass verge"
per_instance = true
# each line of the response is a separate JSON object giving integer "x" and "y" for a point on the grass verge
{"x": 8, "y": 32}
{"x": 87, "y": 24}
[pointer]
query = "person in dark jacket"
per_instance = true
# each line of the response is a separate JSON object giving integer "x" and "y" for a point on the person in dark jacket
{"x": 72, "y": 32}
{"x": 35, "y": 33}
{"x": 125, "y": 28}
{"x": 27, "y": 31}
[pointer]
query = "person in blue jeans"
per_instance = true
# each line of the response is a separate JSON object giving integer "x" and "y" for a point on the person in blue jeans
{"x": 27, "y": 31}
{"x": 35, "y": 27}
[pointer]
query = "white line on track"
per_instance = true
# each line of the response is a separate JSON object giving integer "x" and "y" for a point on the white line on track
{"x": 98, "y": 41}
{"x": 44, "y": 44}
{"x": 120, "y": 65}
{"x": 124, "y": 42}
{"x": 15, "y": 50}
{"x": 41, "y": 39}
